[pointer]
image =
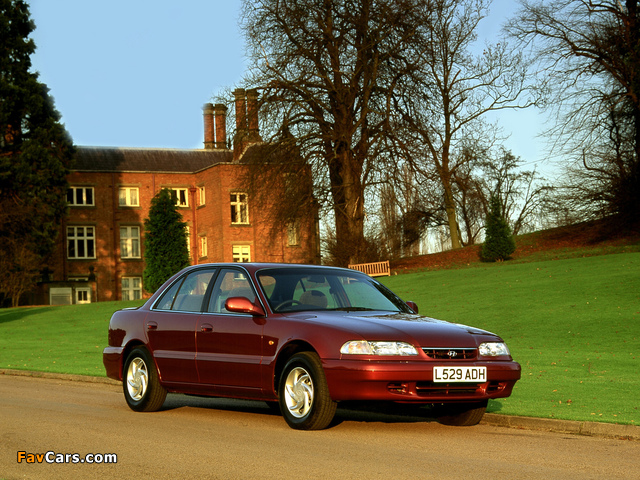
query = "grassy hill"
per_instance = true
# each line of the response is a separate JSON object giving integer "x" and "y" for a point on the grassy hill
{"x": 580, "y": 240}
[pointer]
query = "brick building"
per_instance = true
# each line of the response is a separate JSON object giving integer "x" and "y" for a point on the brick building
{"x": 99, "y": 256}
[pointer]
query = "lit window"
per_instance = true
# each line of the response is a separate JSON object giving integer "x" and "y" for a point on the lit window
{"x": 293, "y": 235}
{"x": 128, "y": 197}
{"x": 180, "y": 196}
{"x": 80, "y": 196}
{"x": 239, "y": 208}
{"x": 130, "y": 242}
{"x": 131, "y": 288}
{"x": 81, "y": 242}
{"x": 241, "y": 253}
{"x": 83, "y": 295}
{"x": 203, "y": 246}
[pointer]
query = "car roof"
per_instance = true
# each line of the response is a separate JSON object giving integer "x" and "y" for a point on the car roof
{"x": 255, "y": 266}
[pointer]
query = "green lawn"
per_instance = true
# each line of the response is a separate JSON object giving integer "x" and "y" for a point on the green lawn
{"x": 574, "y": 326}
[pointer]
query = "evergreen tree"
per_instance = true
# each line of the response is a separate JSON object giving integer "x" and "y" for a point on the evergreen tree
{"x": 35, "y": 155}
{"x": 499, "y": 243}
{"x": 165, "y": 241}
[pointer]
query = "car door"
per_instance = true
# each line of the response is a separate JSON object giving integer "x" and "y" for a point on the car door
{"x": 229, "y": 345}
{"x": 171, "y": 326}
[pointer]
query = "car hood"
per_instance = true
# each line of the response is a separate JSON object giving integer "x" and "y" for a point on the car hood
{"x": 416, "y": 329}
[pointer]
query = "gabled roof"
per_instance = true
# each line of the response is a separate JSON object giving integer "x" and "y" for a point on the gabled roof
{"x": 116, "y": 159}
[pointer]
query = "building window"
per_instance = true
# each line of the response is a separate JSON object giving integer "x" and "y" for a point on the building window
{"x": 201, "y": 196}
{"x": 128, "y": 197}
{"x": 180, "y": 196}
{"x": 131, "y": 288}
{"x": 241, "y": 253}
{"x": 80, "y": 196}
{"x": 130, "y": 242}
{"x": 83, "y": 295}
{"x": 203, "y": 246}
{"x": 293, "y": 233}
{"x": 187, "y": 230}
{"x": 81, "y": 242}
{"x": 239, "y": 208}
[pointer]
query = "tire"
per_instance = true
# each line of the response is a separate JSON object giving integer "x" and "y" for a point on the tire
{"x": 303, "y": 393}
{"x": 141, "y": 383}
{"x": 461, "y": 414}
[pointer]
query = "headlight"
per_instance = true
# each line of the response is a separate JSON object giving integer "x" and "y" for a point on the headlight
{"x": 362, "y": 347}
{"x": 493, "y": 349}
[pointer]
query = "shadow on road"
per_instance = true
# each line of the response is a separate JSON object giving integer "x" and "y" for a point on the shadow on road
{"x": 384, "y": 412}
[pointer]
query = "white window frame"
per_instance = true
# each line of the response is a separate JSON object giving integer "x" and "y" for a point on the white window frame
{"x": 187, "y": 229}
{"x": 180, "y": 196}
{"x": 203, "y": 246}
{"x": 293, "y": 234}
{"x": 83, "y": 238}
{"x": 241, "y": 253}
{"x": 239, "y": 202}
{"x": 83, "y": 295}
{"x": 130, "y": 242}
{"x": 201, "y": 196}
{"x": 129, "y": 196}
{"x": 84, "y": 200}
{"x": 131, "y": 288}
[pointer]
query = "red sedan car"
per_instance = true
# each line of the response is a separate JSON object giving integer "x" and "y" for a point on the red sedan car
{"x": 303, "y": 337}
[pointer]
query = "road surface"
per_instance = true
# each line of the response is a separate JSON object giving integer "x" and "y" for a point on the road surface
{"x": 52, "y": 429}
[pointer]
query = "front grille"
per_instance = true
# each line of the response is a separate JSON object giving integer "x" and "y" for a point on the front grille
{"x": 445, "y": 390}
{"x": 450, "y": 353}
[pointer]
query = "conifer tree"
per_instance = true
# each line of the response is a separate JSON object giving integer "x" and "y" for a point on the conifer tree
{"x": 35, "y": 155}
{"x": 165, "y": 241}
{"x": 499, "y": 243}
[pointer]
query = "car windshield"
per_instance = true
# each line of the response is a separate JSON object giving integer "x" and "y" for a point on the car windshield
{"x": 300, "y": 289}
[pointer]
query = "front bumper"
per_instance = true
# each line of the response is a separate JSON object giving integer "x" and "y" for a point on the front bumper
{"x": 112, "y": 360}
{"x": 412, "y": 381}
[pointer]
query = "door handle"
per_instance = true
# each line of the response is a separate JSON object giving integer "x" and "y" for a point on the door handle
{"x": 152, "y": 325}
{"x": 206, "y": 328}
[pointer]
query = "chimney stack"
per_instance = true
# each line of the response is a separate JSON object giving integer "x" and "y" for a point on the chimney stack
{"x": 221, "y": 125}
{"x": 209, "y": 133}
{"x": 252, "y": 113}
{"x": 247, "y": 131}
{"x": 215, "y": 126}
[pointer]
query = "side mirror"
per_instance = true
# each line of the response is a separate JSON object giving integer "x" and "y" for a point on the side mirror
{"x": 413, "y": 306}
{"x": 243, "y": 305}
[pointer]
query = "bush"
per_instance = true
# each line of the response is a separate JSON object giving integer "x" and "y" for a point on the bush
{"x": 499, "y": 243}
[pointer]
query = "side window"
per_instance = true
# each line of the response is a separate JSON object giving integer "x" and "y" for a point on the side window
{"x": 188, "y": 295}
{"x": 166, "y": 302}
{"x": 230, "y": 283}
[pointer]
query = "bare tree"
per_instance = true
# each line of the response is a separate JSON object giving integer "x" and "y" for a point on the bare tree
{"x": 588, "y": 54}
{"x": 327, "y": 71}
{"x": 445, "y": 106}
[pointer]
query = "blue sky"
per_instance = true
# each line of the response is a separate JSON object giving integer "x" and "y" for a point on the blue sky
{"x": 135, "y": 73}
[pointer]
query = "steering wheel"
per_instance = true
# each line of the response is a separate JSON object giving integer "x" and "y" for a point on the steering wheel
{"x": 291, "y": 301}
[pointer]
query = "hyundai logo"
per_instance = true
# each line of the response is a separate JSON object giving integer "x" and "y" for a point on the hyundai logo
{"x": 452, "y": 353}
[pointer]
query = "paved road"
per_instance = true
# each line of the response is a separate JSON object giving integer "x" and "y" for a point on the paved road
{"x": 222, "y": 439}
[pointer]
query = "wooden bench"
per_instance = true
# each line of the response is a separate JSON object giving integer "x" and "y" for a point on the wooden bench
{"x": 376, "y": 269}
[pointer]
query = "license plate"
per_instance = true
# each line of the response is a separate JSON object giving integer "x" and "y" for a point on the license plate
{"x": 459, "y": 374}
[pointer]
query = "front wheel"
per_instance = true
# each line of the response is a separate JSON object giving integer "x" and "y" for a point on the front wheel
{"x": 141, "y": 384}
{"x": 461, "y": 414}
{"x": 303, "y": 393}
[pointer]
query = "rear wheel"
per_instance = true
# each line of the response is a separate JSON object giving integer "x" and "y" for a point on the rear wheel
{"x": 461, "y": 414}
{"x": 141, "y": 384}
{"x": 304, "y": 397}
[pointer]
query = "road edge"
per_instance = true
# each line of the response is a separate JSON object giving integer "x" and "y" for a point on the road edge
{"x": 573, "y": 427}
